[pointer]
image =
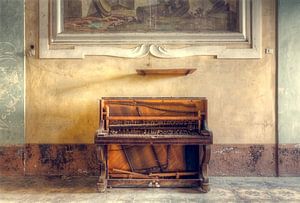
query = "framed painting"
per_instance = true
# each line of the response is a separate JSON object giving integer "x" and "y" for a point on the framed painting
{"x": 163, "y": 28}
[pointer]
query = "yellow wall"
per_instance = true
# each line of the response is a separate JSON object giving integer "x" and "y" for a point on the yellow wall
{"x": 61, "y": 95}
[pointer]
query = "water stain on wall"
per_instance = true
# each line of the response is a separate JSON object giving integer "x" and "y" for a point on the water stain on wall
{"x": 48, "y": 159}
{"x": 256, "y": 152}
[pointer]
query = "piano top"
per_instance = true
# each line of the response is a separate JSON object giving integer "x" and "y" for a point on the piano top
{"x": 153, "y": 98}
{"x": 148, "y": 120}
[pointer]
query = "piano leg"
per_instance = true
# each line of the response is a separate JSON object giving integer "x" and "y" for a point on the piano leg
{"x": 102, "y": 155}
{"x": 204, "y": 156}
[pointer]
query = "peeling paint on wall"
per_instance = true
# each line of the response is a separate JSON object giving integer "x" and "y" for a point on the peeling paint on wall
{"x": 289, "y": 160}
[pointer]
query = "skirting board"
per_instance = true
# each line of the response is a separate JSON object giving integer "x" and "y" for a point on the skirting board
{"x": 80, "y": 160}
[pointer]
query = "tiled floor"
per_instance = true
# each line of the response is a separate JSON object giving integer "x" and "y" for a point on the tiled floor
{"x": 223, "y": 189}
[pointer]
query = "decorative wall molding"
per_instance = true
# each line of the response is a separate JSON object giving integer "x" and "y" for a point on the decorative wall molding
{"x": 56, "y": 44}
{"x": 11, "y": 86}
{"x": 11, "y": 72}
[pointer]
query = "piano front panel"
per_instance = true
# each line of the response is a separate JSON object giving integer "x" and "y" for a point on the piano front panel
{"x": 142, "y": 158}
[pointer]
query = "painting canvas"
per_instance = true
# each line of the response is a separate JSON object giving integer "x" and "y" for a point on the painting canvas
{"x": 151, "y": 16}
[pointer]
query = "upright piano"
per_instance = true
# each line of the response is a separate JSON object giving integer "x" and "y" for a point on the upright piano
{"x": 146, "y": 131}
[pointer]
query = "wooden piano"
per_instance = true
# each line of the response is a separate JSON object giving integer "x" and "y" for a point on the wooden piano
{"x": 153, "y": 142}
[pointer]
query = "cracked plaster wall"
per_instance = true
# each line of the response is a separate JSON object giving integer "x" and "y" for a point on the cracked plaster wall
{"x": 62, "y": 94}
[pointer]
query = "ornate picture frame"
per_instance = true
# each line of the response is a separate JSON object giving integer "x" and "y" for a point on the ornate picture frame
{"x": 54, "y": 43}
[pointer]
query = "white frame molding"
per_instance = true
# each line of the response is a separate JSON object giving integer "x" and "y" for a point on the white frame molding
{"x": 53, "y": 43}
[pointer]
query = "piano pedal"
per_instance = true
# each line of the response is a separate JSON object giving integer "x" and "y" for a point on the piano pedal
{"x": 154, "y": 184}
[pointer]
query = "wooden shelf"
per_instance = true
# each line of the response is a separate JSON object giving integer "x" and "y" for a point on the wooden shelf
{"x": 173, "y": 71}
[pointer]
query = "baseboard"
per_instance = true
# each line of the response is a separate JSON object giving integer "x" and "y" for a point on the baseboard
{"x": 289, "y": 160}
{"x": 80, "y": 160}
